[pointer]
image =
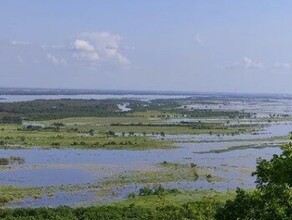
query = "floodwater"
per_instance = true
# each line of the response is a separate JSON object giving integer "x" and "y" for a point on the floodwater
{"x": 88, "y": 168}
{"x": 59, "y": 167}
{"x": 44, "y": 167}
{"x": 267, "y": 132}
{"x": 262, "y": 107}
{"x": 233, "y": 167}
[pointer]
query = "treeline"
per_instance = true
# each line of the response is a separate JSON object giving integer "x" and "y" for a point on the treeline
{"x": 10, "y": 119}
{"x": 154, "y": 105}
{"x": 55, "y": 109}
{"x": 193, "y": 125}
{"x": 209, "y": 113}
{"x": 177, "y": 108}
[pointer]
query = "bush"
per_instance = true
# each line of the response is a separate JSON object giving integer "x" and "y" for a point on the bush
{"x": 4, "y": 161}
{"x": 272, "y": 197}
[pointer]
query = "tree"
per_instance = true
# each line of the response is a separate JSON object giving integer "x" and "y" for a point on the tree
{"x": 272, "y": 198}
{"x": 91, "y": 132}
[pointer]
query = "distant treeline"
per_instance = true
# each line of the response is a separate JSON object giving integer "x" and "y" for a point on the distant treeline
{"x": 10, "y": 120}
{"x": 177, "y": 107}
{"x": 193, "y": 125}
{"x": 62, "y": 108}
{"x": 55, "y": 109}
{"x": 209, "y": 113}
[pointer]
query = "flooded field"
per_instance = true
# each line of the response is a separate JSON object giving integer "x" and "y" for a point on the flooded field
{"x": 75, "y": 176}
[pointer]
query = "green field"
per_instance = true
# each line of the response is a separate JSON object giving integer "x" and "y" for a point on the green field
{"x": 16, "y": 136}
{"x": 11, "y": 193}
{"x": 158, "y": 204}
{"x": 105, "y": 132}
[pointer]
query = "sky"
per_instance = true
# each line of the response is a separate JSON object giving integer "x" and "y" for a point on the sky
{"x": 242, "y": 46}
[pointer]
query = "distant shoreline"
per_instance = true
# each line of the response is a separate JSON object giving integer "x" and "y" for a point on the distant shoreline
{"x": 35, "y": 91}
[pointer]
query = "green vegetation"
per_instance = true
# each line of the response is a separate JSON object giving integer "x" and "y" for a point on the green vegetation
{"x": 241, "y": 147}
{"x": 187, "y": 211}
{"x": 272, "y": 198}
{"x": 10, "y": 120}
{"x": 165, "y": 172}
{"x": 120, "y": 132}
{"x": 52, "y": 109}
{"x": 157, "y": 196}
{"x": 30, "y": 136}
{"x": 142, "y": 124}
{"x": 160, "y": 204}
{"x": 64, "y": 108}
{"x": 11, "y": 160}
{"x": 11, "y": 193}
{"x": 208, "y": 113}
{"x": 100, "y": 124}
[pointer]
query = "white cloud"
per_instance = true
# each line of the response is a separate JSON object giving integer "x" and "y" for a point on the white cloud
{"x": 83, "y": 45}
{"x": 249, "y": 63}
{"x": 51, "y": 58}
{"x": 20, "y": 43}
{"x": 246, "y": 63}
{"x": 99, "y": 47}
{"x": 85, "y": 51}
{"x": 282, "y": 66}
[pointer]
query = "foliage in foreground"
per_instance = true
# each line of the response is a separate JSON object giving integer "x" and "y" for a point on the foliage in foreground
{"x": 192, "y": 210}
{"x": 272, "y": 200}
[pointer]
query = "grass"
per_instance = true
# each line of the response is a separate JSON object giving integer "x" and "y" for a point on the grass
{"x": 158, "y": 125}
{"x": 178, "y": 197}
{"x": 12, "y": 193}
{"x": 93, "y": 132}
{"x": 171, "y": 197}
{"x": 173, "y": 205}
{"x": 100, "y": 120}
{"x": 165, "y": 172}
{"x": 15, "y": 135}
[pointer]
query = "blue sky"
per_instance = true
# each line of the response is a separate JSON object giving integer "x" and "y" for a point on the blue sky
{"x": 185, "y": 45}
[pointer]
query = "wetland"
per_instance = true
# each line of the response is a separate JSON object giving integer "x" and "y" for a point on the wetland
{"x": 84, "y": 151}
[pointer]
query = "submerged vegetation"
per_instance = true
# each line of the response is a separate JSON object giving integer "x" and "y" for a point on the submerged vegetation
{"x": 270, "y": 200}
{"x": 156, "y": 203}
{"x": 153, "y": 191}
{"x": 165, "y": 172}
{"x": 11, "y": 160}
{"x": 11, "y": 193}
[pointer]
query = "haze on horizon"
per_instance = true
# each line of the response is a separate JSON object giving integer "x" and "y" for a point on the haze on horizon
{"x": 189, "y": 45}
